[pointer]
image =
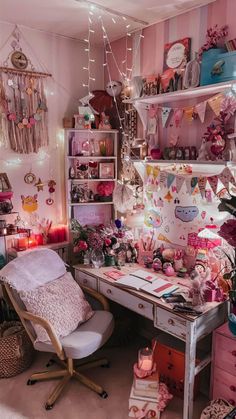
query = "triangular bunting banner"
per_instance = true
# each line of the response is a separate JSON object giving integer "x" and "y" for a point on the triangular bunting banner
{"x": 156, "y": 171}
{"x": 170, "y": 179}
{"x": 179, "y": 183}
{"x": 202, "y": 185}
{"x": 165, "y": 113}
{"x": 200, "y": 109}
{"x": 194, "y": 182}
{"x": 163, "y": 178}
{"x": 189, "y": 186}
{"x": 149, "y": 170}
{"x": 215, "y": 103}
{"x": 213, "y": 181}
{"x": 226, "y": 177}
{"x": 178, "y": 115}
{"x": 188, "y": 114}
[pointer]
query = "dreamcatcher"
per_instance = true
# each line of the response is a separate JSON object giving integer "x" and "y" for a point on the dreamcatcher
{"x": 23, "y": 107}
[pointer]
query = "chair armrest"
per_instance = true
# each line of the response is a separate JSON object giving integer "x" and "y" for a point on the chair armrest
{"x": 47, "y": 326}
{"x": 103, "y": 300}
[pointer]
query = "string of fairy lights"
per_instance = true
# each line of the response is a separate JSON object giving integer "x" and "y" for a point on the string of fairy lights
{"x": 125, "y": 70}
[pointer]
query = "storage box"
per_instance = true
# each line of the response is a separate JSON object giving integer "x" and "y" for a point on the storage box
{"x": 147, "y": 406}
{"x": 169, "y": 355}
{"x": 217, "y": 66}
{"x": 147, "y": 387}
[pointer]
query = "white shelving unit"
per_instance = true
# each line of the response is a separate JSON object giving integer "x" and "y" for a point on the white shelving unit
{"x": 82, "y": 147}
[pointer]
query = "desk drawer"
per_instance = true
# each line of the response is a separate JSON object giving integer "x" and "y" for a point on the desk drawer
{"x": 84, "y": 279}
{"x": 224, "y": 386}
{"x": 170, "y": 323}
{"x": 127, "y": 300}
{"x": 225, "y": 353}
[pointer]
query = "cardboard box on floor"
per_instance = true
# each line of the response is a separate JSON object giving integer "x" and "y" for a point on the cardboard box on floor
{"x": 146, "y": 405}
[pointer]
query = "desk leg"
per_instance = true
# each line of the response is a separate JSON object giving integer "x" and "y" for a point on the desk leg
{"x": 190, "y": 358}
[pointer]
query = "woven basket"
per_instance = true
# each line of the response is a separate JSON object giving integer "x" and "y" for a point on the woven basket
{"x": 16, "y": 349}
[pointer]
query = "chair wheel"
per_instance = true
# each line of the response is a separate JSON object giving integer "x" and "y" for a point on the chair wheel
{"x": 50, "y": 363}
{"x": 31, "y": 382}
{"x": 107, "y": 365}
{"x": 49, "y": 406}
{"x": 103, "y": 395}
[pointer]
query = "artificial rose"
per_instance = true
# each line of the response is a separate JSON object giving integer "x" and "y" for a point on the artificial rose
{"x": 228, "y": 232}
{"x": 82, "y": 245}
{"x": 107, "y": 242}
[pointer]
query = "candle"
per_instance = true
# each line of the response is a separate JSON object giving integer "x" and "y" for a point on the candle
{"x": 22, "y": 243}
{"x": 145, "y": 359}
{"x": 32, "y": 241}
{"x": 39, "y": 239}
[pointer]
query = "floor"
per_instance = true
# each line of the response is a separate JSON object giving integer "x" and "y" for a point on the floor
{"x": 18, "y": 401}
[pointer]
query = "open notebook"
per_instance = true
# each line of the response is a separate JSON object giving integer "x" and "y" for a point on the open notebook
{"x": 141, "y": 280}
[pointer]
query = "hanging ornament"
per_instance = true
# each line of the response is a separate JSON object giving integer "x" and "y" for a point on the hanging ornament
{"x": 39, "y": 185}
{"x": 200, "y": 109}
{"x": 215, "y": 103}
{"x": 51, "y": 190}
{"x": 29, "y": 178}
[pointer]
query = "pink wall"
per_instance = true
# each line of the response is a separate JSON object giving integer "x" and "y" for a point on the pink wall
{"x": 192, "y": 24}
{"x": 64, "y": 59}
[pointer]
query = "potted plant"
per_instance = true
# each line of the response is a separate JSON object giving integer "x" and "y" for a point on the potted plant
{"x": 213, "y": 37}
{"x": 228, "y": 232}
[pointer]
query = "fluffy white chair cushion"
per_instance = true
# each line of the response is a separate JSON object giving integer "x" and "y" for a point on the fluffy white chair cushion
{"x": 61, "y": 302}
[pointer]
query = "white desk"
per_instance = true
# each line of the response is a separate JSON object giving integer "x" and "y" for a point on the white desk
{"x": 187, "y": 328}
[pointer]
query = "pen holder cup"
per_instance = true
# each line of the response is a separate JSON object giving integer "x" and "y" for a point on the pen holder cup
{"x": 144, "y": 255}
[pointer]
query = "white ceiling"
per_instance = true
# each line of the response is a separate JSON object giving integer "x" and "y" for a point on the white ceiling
{"x": 70, "y": 17}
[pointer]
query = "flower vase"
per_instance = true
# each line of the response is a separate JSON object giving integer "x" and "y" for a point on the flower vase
{"x": 97, "y": 258}
{"x": 110, "y": 260}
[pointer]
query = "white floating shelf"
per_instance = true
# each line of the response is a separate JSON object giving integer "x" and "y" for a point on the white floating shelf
{"x": 88, "y": 158}
{"x": 91, "y": 180}
{"x": 187, "y": 162}
{"x": 90, "y": 203}
{"x": 90, "y": 131}
{"x": 184, "y": 94}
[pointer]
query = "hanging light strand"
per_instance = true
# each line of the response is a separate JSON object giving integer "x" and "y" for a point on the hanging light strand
{"x": 106, "y": 64}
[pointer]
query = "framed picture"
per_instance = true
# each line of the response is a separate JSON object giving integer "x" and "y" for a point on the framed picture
{"x": 177, "y": 54}
{"x": 5, "y": 185}
{"x": 106, "y": 170}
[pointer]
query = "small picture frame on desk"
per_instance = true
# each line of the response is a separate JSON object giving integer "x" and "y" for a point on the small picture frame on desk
{"x": 106, "y": 170}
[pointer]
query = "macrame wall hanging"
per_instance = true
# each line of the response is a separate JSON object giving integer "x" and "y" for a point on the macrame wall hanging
{"x": 23, "y": 106}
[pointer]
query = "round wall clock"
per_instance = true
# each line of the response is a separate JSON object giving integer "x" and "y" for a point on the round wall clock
{"x": 19, "y": 60}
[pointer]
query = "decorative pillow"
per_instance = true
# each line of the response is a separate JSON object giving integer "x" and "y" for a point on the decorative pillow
{"x": 61, "y": 302}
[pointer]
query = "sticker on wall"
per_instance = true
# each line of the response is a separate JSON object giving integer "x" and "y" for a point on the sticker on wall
{"x": 208, "y": 195}
{"x": 203, "y": 215}
{"x": 159, "y": 202}
{"x": 153, "y": 219}
{"x": 186, "y": 214}
{"x": 168, "y": 197}
{"x": 173, "y": 189}
{"x": 29, "y": 203}
{"x": 39, "y": 185}
{"x": 167, "y": 229}
{"x": 163, "y": 238}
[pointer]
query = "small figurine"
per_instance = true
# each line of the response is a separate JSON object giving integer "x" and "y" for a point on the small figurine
{"x": 201, "y": 275}
{"x": 157, "y": 264}
{"x": 104, "y": 122}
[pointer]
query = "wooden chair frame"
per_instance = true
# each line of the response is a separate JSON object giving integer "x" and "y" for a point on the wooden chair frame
{"x": 70, "y": 370}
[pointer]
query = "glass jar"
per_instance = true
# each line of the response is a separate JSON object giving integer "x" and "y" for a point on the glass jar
{"x": 121, "y": 257}
{"x": 97, "y": 258}
{"x": 145, "y": 359}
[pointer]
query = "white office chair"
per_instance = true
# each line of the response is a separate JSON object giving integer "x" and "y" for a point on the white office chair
{"x": 79, "y": 344}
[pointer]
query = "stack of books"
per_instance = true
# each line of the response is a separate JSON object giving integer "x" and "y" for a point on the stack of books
{"x": 144, "y": 396}
{"x": 231, "y": 45}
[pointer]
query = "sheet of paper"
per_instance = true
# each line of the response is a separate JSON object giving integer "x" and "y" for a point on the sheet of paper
{"x": 147, "y": 276}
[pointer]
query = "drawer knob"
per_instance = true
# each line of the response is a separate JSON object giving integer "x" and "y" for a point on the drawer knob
{"x": 231, "y": 401}
{"x": 232, "y": 388}
{"x": 108, "y": 291}
{"x": 85, "y": 281}
{"x": 171, "y": 321}
{"x": 140, "y": 305}
{"x": 234, "y": 353}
